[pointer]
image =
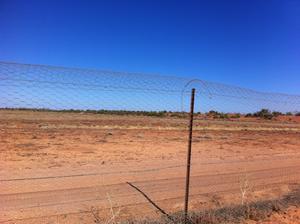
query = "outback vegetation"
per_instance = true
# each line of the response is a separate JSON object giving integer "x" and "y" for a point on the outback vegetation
{"x": 238, "y": 214}
{"x": 263, "y": 113}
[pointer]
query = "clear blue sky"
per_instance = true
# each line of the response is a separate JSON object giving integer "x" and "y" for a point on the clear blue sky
{"x": 254, "y": 44}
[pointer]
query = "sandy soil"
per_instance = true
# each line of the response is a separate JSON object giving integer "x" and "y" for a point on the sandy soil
{"x": 56, "y": 167}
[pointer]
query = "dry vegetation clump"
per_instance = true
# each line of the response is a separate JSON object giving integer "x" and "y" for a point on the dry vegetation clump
{"x": 265, "y": 114}
{"x": 101, "y": 111}
{"x": 232, "y": 214}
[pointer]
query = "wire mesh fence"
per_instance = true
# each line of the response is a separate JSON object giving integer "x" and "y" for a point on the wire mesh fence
{"x": 48, "y": 87}
{"x": 72, "y": 138}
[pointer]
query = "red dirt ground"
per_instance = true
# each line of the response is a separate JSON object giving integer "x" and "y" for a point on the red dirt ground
{"x": 55, "y": 167}
{"x": 291, "y": 216}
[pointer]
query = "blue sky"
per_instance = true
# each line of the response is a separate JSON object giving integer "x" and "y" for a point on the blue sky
{"x": 253, "y": 44}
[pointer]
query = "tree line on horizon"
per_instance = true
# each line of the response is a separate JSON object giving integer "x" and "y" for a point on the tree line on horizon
{"x": 263, "y": 113}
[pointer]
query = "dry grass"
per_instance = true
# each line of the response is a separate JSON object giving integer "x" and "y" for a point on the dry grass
{"x": 232, "y": 214}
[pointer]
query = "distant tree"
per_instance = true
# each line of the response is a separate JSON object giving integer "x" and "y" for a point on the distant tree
{"x": 237, "y": 115}
{"x": 212, "y": 113}
{"x": 264, "y": 113}
{"x": 289, "y": 113}
{"x": 223, "y": 116}
{"x": 249, "y": 115}
{"x": 217, "y": 115}
{"x": 276, "y": 113}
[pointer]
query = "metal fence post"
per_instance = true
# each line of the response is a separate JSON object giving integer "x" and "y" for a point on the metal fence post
{"x": 189, "y": 154}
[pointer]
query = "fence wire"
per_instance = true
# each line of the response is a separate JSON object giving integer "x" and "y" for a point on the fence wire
{"x": 49, "y": 87}
{"x": 71, "y": 138}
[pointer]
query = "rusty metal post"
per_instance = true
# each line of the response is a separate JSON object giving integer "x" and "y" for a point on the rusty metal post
{"x": 189, "y": 154}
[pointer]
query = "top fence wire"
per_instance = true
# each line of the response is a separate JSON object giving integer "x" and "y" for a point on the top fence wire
{"x": 58, "y": 88}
